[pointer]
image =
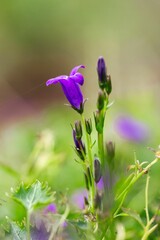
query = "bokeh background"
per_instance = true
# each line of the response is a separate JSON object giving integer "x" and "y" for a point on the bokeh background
{"x": 42, "y": 39}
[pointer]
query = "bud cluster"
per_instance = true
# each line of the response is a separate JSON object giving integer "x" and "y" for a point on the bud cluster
{"x": 77, "y": 137}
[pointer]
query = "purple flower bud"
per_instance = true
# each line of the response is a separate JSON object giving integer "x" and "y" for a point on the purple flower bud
{"x": 104, "y": 79}
{"x": 101, "y": 70}
{"x": 70, "y": 85}
{"x": 97, "y": 170}
{"x": 79, "y": 146}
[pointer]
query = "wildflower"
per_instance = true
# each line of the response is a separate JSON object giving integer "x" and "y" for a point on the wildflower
{"x": 130, "y": 129}
{"x": 70, "y": 85}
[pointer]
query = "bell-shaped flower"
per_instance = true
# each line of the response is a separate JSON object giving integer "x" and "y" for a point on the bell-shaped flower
{"x": 70, "y": 85}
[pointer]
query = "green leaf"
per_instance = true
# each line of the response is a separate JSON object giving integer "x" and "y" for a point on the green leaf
{"x": 32, "y": 196}
{"x": 134, "y": 215}
{"x": 9, "y": 170}
{"x": 17, "y": 232}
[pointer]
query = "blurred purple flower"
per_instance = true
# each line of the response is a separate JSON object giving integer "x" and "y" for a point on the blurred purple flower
{"x": 70, "y": 86}
{"x": 131, "y": 129}
{"x": 100, "y": 184}
{"x": 51, "y": 208}
{"x": 78, "y": 198}
{"x": 64, "y": 224}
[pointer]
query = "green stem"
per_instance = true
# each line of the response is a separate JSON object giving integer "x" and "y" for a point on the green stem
{"x": 101, "y": 148}
{"x": 92, "y": 189}
{"x": 133, "y": 181}
{"x": 146, "y": 198}
{"x": 28, "y": 225}
{"x": 59, "y": 223}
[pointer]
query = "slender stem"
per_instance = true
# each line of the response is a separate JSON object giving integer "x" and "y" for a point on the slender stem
{"x": 101, "y": 148}
{"x": 59, "y": 223}
{"x": 146, "y": 199}
{"x": 90, "y": 161}
{"x": 135, "y": 178}
{"x": 28, "y": 225}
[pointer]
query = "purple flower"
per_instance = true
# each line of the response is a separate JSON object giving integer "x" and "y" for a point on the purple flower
{"x": 78, "y": 198}
{"x": 51, "y": 208}
{"x": 70, "y": 86}
{"x": 131, "y": 129}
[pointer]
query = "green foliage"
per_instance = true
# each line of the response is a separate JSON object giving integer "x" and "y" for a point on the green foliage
{"x": 17, "y": 232}
{"x": 32, "y": 196}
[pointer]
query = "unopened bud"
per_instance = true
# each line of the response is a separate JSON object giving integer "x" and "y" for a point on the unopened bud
{"x": 79, "y": 146}
{"x": 86, "y": 181}
{"x": 97, "y": 170}
{"x": 99, "y": 121}
{"x": 101, "y": 100}
{"x": 88, "y": 124}
{"x": 101, "y": 70}
{"x": 98, "y": 201}
{"x": 78, "y": 129}
{"x": 110, "y": 149}
{"x": 108, "y": 85}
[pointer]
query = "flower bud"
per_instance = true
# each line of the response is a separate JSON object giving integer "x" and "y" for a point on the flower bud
{"x": 99, "y": 121}
{"x": 97, "y": 170}
{"x": 88, "y": 124}
{"x": 101, "y": 70}
{"x": 79, "y": 146}
{"x": 86, "y": 181}
{"x": 98, "y": 201}
{"x": 108, "y": 85}
{"x": 100, "y": 100}
{"x": 78, "y": 130}
{"x": 110, "y": 149}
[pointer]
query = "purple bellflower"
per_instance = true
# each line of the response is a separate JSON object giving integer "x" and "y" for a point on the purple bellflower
{"x": 70, "y": 85}
{"x": 131, "y": 129}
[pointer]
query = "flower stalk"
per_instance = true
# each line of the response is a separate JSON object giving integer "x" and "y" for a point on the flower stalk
{"x": 92, "y": 189}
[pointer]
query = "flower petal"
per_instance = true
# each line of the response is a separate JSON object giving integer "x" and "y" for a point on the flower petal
{"x": 72, "y": 92}
{"x": 78, "y": 78}
{"x": 56, "y": 80}
{"x": 75, "y": 69}
{"x": 131, "y": 129}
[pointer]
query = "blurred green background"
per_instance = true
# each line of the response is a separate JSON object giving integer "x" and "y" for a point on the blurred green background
{"x": 42, "y": 39}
